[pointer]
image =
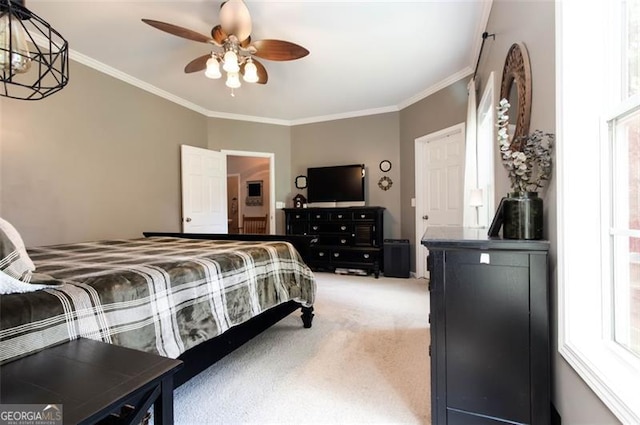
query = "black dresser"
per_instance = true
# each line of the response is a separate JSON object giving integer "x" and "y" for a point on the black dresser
{"x": 489, "y": 329}
{"x": 347, "y": 238}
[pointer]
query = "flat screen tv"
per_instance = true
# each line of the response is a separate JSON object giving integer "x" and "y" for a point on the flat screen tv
{"x": 341, "y": 183}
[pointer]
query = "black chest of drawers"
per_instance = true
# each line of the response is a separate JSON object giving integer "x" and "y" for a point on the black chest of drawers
{"x": 347, "y": 238}
{"x": 490, "y": 355}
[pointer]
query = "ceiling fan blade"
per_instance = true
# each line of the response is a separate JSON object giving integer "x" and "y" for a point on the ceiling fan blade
{"x": 218, "y": 34}
{"x": 263, "y": 77}
{"x": 246, "y": 43}
{"x": 278, "y": 50}
{"x": 235, "y": 19}
{"x": 179, "y": 31}
{"x": 198, "y": 64}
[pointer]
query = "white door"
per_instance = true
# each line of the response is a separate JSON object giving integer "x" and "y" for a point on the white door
{"x": 204, "y": 190}
{"x": 439, "y": 185}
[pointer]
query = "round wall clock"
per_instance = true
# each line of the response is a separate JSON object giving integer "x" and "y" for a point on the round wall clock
{"x": 385, "y": 183}
{"x": 385, "y": 165}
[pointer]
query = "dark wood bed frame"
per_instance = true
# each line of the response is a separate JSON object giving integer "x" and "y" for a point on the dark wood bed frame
{"x": 207, "y": 353}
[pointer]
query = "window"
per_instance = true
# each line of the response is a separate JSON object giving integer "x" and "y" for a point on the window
{"x": 598, "y": 170}
{"x": 624, "y": 133}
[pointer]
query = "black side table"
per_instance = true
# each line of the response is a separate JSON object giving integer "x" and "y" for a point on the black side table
{"x": 92, "y": 379}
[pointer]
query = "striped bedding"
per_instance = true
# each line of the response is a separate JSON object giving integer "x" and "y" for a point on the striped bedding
{"x": 161, "y": 295}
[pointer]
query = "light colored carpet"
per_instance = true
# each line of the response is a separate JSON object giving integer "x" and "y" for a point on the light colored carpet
{"x": 364, "y": 361}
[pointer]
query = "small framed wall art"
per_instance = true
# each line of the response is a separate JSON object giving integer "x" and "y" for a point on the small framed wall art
{"x": 254, "y": 193}
{"x": 301, "y": 182}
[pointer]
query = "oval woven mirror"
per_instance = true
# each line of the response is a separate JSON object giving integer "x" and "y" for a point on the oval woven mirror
{"x": 516, "y": 88}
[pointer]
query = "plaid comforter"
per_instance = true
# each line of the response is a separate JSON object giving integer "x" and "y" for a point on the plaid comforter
{"x": 160, "y": 295}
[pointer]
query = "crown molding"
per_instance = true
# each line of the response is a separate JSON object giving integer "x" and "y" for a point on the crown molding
{"x": 252, "y": 118}
{"x": 106, "y": 69}
{"x": 436, "y": 87}
{"x": 352, "y": 114}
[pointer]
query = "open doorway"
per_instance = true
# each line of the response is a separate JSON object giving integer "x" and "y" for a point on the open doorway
{"x": 250, "y": 179}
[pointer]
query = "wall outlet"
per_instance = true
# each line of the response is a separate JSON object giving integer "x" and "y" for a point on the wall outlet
{"x": 280, "y": 205}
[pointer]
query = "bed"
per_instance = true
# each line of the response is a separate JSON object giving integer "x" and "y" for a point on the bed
{"x": 176, "y": 295}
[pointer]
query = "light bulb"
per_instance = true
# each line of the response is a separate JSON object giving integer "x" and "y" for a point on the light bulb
{"x": 231, "y": 62}
{"x": 250, "y": 72}
{"x": 233, "y": 80}
{"x": 213, "y": 68}
{"x": 14, "y": 51}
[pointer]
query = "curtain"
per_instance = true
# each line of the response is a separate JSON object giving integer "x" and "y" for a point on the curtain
{"x": 469, "y": 218}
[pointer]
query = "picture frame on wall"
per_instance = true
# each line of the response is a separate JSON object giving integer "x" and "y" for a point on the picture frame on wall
{"x": 254, "y": 193}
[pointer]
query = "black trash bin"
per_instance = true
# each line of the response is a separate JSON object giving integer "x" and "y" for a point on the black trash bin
{"x": 396, "y": 258}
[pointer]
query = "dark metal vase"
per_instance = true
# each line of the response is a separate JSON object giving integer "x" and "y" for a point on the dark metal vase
{"x": 522, "y": 216}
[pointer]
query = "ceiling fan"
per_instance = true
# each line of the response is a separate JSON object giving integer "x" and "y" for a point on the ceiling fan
{"x": 233, "y": 48}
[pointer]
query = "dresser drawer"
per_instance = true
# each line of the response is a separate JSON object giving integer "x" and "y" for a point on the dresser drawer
{"x": 298, "y": 228}
{"x": 354, "y": 256}
{"x": 320, "y": 254}
{"x": 340, "y": 216}
{"x": 329, "y": 227}
{"x": 319, "y": 216}
{"x": 364, "y": 215}
{"x": 299, "y": 216}
{"x": 337, "y": 240}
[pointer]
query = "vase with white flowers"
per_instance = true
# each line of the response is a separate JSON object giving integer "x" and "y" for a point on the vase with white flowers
{"x": 528, "y": 163}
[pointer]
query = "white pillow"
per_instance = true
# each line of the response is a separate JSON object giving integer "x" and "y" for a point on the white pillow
{"x": 10, "y": 285}
{"x": 14, "y": 260}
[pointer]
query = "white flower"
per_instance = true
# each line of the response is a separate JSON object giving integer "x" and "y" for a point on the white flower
{"x": 528, "y": 162}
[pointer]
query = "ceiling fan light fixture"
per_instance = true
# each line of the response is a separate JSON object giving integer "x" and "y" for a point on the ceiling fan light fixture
{"x": 233, "y": 80}
{"x": 231, "y": 62}
{"x": 213, "y": 69}
{"x": 250, "y": 72}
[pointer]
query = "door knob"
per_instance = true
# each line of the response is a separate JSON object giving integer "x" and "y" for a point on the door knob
{"x": 188, "y": 220}
{"x": 425, "y": 217}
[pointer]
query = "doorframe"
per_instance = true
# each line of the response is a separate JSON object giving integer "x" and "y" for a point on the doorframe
{"x": 272, "y": 179}
{"x": 239, "y": 211}
{"x": 420, "y": 176}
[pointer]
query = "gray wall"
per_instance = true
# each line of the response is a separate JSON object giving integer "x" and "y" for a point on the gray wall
{"x": 445, "y": 108}
{"x": 99, "y": 159}
{"x": 533, "y": 23}
{"x": 362, "y": 140}
{"x": 257, "y": 137}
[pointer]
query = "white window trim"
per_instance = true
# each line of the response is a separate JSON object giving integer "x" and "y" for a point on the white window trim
{"x": 584, "y": 329}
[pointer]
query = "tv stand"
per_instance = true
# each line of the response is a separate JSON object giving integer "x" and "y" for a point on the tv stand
{"x": 348, "y": 237}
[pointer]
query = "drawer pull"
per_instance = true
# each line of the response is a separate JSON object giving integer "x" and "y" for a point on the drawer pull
{"x": 336, "y": 254}
{"x": 366, "y": 255}
{"x": 298, "y": 216}
{"x": 343, "y": 227}
{"x": 321, "y": 254}
{"x": 343, "y": 241}
{"x": 318, "y": 215}
{"x": 315, "y": 227}
{"x": 339, "y": 215}
{"x": 362, "y": 216}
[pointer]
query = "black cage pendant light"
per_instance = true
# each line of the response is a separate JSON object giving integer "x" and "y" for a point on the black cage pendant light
{"x": 34, "y": 58}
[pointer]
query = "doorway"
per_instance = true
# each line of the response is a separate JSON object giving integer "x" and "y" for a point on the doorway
{"x": 255, "y": 187}
{"x": 439, "y": 184}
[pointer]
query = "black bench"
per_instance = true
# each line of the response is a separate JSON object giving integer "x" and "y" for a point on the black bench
{"x": 92, "y": 380}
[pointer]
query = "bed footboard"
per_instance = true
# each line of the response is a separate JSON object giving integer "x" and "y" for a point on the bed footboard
{"x": 302, "y": 243}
